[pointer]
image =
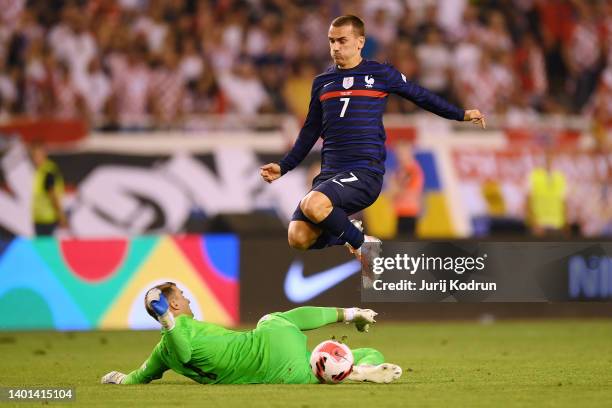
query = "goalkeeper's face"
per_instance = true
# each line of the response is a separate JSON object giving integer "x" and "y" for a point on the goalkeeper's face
{"x": 179, "y": 303}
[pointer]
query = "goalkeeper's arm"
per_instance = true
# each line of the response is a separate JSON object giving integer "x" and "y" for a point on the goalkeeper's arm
{"x": 150, "y": 370}
{"x": 310, "y": 317}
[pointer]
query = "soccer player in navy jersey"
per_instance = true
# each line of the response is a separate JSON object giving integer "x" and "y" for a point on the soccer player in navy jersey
{"x": 346, "y": 110}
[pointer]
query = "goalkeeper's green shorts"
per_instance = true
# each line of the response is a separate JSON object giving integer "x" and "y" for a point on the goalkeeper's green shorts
{"x": 287, "y": 350}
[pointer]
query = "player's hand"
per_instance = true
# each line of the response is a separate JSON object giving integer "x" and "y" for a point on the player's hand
{"x": 114, "y": 377}
{"x": 270, "y": 172}
{"x": 362, "y": 318}
{"x": 474, "y": 116}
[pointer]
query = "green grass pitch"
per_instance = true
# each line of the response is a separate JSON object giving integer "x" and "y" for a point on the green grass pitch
{"x": 551, "y": 363}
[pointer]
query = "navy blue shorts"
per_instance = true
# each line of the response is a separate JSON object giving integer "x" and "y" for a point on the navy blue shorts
{"x": 351, "y": 191}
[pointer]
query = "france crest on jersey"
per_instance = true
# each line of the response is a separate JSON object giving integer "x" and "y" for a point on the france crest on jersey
{"x": 348, "y": 82}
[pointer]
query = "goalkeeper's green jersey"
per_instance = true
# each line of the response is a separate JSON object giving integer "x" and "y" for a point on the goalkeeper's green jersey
{"x": 274, "y": 352}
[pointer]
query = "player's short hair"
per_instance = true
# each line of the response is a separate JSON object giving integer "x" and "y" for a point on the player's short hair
{"x": 354, "y": 21}
{"x": 166, "y": 289}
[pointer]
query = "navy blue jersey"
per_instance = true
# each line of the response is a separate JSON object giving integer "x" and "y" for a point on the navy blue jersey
{"x": 346, "y": 110}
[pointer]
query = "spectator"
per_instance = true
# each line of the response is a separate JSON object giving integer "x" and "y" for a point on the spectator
{"x": 466, "y": 56}
{"x": 406, "y": 189}
{"x": 272, "y": 81}
{"x": 298, "y": 87}
{"x": 191, "y": 63}
{"x": 244, "y": 89}
{"x": 67, "y": 102}
{"x": 547, "y": 200}
{"x": 583, "y": 56}
{"x": 167, "y": 91}
{"x": 479, "y": 87}
{"x": 205, "y": 96}
{"x": 132, "y": 90}
{"x": 496, "y": 36}
{"x": 47, "y": 191}
{"x": 153, "y": 27}
{"x": 72, "y": 43}
{"x": 383, "y": 28}
{"x": 95, "y": 89}
{"x": 531, "y": 68}
{"x": 562, "y": 47}
{"x": 434, "y": 62}
{"x": 8, "y": 87}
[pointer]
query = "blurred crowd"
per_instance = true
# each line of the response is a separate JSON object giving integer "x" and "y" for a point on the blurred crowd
{"x": 134, "y": 64}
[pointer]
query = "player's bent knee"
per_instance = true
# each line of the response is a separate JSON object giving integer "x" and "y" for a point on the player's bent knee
{"x": 316, "y": 206}
{"x": 298, "y": 237}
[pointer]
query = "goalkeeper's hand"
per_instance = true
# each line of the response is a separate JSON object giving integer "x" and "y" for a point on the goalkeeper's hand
{"x": 156, "y": 300}
{"x": 362, "y": 318}
{"x": 114, "y": 377}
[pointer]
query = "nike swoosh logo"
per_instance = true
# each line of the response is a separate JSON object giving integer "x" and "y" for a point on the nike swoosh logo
{"x": 329, "y": 83}
{"x": 300, "y": 288}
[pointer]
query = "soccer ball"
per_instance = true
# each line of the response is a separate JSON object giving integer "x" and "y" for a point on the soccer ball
{"x": 331, "y": 362}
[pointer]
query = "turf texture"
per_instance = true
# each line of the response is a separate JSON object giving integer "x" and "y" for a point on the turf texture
{"x": 552, "y": 363}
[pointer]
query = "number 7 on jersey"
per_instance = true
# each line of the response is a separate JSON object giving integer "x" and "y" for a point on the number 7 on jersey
{"x": 346, "y": 102}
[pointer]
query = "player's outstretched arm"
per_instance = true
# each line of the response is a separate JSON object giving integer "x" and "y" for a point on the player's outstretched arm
{"x": 310, "y": 133}
{"x": 150, "y": 370}
{"x": 428, "y": 100}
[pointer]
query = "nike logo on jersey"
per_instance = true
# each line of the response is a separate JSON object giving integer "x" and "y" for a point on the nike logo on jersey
{"x": 329, "y": 83}
{"x": 300, "y": 288}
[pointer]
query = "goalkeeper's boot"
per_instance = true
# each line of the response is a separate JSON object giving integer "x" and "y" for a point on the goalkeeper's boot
{"x": 157, "y": 302}
{"x": 382, "y": 373}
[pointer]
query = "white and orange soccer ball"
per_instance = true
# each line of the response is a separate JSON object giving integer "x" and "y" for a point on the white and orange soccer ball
{"x": 331, "y": 362}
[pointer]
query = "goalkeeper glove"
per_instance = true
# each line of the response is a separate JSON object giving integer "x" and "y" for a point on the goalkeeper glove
{"x": 361, "y": 317}
{"x": 114, "y": 377}
{"x": 156, "y": 301}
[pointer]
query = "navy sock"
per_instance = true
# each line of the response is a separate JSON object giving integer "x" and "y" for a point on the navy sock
{"x": 338, "y": 224}
{"x": 326, "y": 240}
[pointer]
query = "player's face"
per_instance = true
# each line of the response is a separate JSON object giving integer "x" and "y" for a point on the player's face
{"x": 344, "y": 46}
{"x": 180, "y": 303}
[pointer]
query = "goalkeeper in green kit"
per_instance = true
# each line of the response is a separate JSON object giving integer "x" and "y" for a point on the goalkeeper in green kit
{"x": 274, "y": 352}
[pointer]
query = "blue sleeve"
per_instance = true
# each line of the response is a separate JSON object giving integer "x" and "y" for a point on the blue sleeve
{"x": 422, "y": 97}
{"x": 308, "y": 135}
